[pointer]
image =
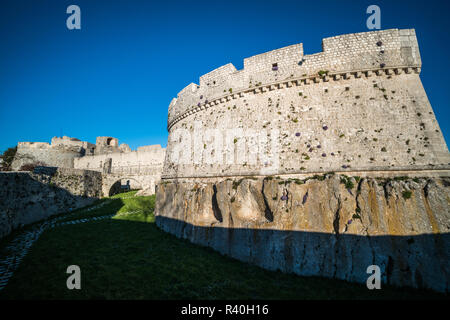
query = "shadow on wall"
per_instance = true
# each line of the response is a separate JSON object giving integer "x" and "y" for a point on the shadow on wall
{"x": 420, "y": 261}
{"x": 28, "y": 197}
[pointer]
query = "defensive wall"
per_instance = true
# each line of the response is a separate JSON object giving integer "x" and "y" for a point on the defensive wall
{"x": 27, "y": 197}
{"x": 140, "y": 169}
{"x": 357, "y": 105}
{"x": 319, "y": 165}
{"x": 60, "y": 153}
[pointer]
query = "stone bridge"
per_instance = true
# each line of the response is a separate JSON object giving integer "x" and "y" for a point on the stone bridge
{"x": 138, "y": 177}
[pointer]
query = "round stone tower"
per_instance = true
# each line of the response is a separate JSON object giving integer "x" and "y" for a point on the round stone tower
{"x": 358, "y": 105}
{"x": 319, "y": 164}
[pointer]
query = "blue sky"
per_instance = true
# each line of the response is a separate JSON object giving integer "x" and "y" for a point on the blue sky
{"x": 117, "y": 75}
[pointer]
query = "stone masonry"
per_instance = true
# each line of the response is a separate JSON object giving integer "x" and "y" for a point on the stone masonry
{"x": 358, "y": 105}
{"x": 28, "y": 197}
{"x": 351, "y": 167}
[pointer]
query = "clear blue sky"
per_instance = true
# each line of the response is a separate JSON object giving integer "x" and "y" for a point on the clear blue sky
{"x": 117, "y": 75}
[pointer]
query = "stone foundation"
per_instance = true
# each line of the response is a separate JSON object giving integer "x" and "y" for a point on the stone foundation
{"x": 330, "y": 226}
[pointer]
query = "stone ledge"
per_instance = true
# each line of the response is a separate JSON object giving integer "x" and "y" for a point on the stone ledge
{"x": 413, "y": 171}
{"x": 306, "y": 80}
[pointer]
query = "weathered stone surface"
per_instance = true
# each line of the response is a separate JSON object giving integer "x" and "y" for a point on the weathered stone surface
{"x": 145, "y": 192}
{"x": 142, "y": 168}
{"x": 321, "y": 226}
{"x": 27, "y": 197}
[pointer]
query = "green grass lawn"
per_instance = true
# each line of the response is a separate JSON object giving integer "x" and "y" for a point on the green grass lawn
{"x": 128, "y": 257}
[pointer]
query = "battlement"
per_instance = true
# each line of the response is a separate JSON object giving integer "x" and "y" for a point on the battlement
{"x": 391, "y": 49}
{"x": 33, "y": 145}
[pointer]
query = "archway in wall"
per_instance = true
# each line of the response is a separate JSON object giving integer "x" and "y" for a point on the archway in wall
{"x": 124, "y": 185}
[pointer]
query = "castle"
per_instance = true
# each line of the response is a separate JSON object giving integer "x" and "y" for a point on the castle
{"x": 140, "y": 169}
{"x": 357, "y": 106}
{"x": 320, "y": 164}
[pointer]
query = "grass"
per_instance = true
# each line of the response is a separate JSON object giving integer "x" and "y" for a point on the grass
{"x": 128, "y": 257}
{"x": 406, "y": 194}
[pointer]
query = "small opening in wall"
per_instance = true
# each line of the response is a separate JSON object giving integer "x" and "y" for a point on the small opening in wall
{"x": 274, "y": 66}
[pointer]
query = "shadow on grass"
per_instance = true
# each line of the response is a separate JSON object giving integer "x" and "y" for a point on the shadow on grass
{"x": 121, "y": 259}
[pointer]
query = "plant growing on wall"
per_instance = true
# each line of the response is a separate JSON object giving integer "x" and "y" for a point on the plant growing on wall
{"x": 7, "y": 158}
{"x": 406, "y": 194}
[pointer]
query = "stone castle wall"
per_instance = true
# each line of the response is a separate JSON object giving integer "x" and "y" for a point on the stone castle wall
{"x": 142, "y": 160}
{"x": 358, "y": 105}
{"x": 251, "y": 157}
{"x": 73, "y": 142}
{"x": 328, "y": 226}
{"x": 142, "y": 168}
{"x": 27, "y": 197}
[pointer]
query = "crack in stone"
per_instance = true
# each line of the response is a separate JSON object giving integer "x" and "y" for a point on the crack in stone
{"x": 336, "y": 218}
{"x": 268, "y": 214}
{"x": 215, "y": 205}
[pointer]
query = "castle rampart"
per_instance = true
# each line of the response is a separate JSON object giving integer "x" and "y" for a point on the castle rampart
{"x": 342, "y": 55}
{"x": 358, "y": 105}
{"x": 118, "y": 163}
{"x": 320, "y": 165}
{"x": 60, "y": 153}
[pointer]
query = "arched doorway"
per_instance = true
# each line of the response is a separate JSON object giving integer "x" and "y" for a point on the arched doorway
{"x": 124, "y": 185}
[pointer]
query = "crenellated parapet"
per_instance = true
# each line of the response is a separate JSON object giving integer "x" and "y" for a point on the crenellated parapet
{"x": 357, "y": 55}
{"x": 357, "y": 105}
